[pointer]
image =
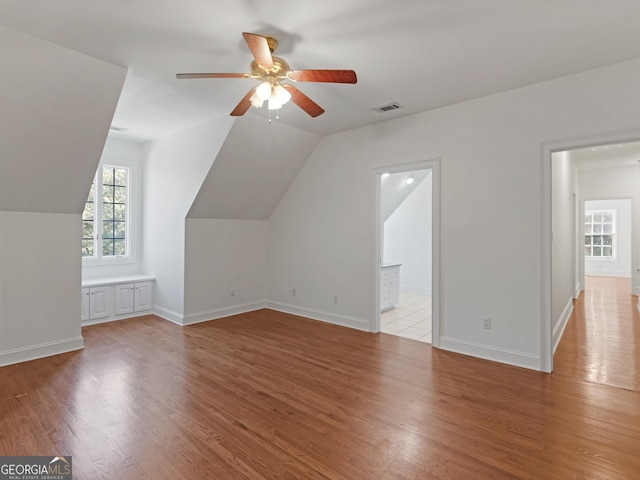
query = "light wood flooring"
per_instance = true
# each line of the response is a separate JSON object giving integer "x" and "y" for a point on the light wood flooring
{"x": 267, "y": 395}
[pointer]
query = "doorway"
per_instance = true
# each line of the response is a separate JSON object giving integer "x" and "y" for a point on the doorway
{"x": 407, "y": 251}
{"x": 608, "y": 169}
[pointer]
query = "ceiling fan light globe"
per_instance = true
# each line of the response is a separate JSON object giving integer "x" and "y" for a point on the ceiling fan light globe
{"x": 256, "y": 101}
{"x": 274, "y": 103}
{"x": 263, "y": 92}
{"x": 282, "y": 94}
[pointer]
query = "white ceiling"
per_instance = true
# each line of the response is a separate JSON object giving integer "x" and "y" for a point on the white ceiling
{"x": 607, "y": 156}
{"x": 422, "y": 53}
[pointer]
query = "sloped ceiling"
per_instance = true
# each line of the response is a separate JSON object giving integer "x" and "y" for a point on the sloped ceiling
{"x": 56, "y": 106}
{"x": 253, "y": 170}
{"x": 423, "y": 54}
{"x": 395, "y": 190}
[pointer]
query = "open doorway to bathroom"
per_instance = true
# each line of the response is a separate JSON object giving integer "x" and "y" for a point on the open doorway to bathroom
{"x": 406, "y": 252}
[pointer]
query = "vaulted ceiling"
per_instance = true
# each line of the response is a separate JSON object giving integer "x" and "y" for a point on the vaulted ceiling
{"x": 421, "y": 54}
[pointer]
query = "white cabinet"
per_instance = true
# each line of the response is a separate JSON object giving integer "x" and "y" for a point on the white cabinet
{"x": 96, "y": 302}
{"x": 124, "y": 298}
{"x": 133, "y": 297}
{"x": 389, "y": 286}
{"x": 115, "y": 299}
{"x": 143, "y": 296}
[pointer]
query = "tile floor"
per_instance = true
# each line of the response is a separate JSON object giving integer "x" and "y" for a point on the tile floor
{"x": 411, "y": 318}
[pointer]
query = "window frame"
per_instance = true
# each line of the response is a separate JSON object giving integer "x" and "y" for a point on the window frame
{"x": 613, "y": 234}
{"x": 132, "y": 207}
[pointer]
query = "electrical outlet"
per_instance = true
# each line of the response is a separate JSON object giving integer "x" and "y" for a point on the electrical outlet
{"x": 293, "y": 292}
{"x": 486, "y": 323}
{"x": 232, "y": 292}
{"x": 335, "y": 299}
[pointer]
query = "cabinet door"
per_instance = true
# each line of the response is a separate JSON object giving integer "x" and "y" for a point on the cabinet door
{"x": 86, "y": 304}
{"x": 394, "y": 285}
{"x": 124, "y": 298}
{"x": 143, "y": 298}
{"x": 99, "y": 302}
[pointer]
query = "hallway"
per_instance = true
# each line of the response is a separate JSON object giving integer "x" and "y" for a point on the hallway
{"x": 601, "y": 343}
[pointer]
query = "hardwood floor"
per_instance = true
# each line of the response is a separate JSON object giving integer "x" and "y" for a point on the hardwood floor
{"x": 267, "y": 395}
{"x": 601, "y": 343}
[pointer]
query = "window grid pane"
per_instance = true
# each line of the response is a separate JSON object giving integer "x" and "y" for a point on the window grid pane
{"x": 599, "y": 228}
{"x": 114, "y": 204}
{"x": 106, "y": 220}
{"x": 88, "y": 224}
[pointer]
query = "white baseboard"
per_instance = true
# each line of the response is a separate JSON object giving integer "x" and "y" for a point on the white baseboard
{"x": 33, "y": 352}
{"x": 343, "y": 320}
{"x": 608, "y": 273}
{"x": 410, "y": 289}
{"x": 199, "y": 317}
{"x": 561, "y": 323}
{"x": 125, "y": 316}
{"x": 511, "y": 357}
{"x": 170, "y": 315}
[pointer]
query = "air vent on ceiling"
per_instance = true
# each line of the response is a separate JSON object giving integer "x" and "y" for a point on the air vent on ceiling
{"x": 388, "y": 107}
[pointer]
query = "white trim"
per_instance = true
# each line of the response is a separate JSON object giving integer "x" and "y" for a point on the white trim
{"x": 609, "y": 273}
{"x": 376, "y": 258}
{"x": 94, "y": 282}
{"x": 126, "y": 316}
{"x": 577, "y": 290}
{"x": 47, "y": 349}
{"x": 410, "y": 289}
{"x": 546, "y": 287}
{"x": 134, "y": 207}
{"x": 511, "y": 357}
{"x": 169, "y": 315}
{"x": 208, "y": 315}
{"x": 561, "y": 324}
{"x": 343, "y": 320}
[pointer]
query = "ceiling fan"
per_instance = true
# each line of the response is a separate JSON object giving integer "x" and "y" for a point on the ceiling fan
{"x": 271, "y": 71}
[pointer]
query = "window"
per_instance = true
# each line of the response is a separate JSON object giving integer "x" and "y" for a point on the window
{"x": 599, "y": 234}
{"x": 105, "y": 220}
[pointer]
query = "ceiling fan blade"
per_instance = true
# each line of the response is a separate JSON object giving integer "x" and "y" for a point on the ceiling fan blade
{"x": 332, "y": 76}
{"x": 244, "y": 104}
{"x": 211, "y": 75}
{"x": 259, "y": 47}
{"x": 304, "y": 102}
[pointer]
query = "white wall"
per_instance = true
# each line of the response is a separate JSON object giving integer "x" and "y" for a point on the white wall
{"x": 320, "y": 235}
{"x": 407, "y": 238}
{"x": 39, "y": 285}
{"x": 221, "y": 256}
{"x": 394, "y": 189}
{"x": 612, "y": 183}
{"x": 56, "y": 106}
{"x": 53, "y": 125}
{"x": 175, "y": 168}
{"x": 129, "y": 152}
{"x": 563, "y": 248}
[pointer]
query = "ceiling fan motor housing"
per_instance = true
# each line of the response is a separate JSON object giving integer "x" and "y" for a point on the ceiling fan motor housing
{"x": 280, "y": 68}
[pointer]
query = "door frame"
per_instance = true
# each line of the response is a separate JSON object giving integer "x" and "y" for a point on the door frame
{"x": 377, "y": 235}
{"x": 546, "y": 287}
